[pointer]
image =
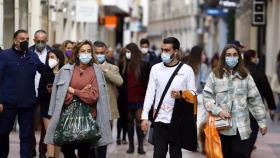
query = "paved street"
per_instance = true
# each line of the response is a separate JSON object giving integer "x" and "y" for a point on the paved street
{"x": 267, "y": 146}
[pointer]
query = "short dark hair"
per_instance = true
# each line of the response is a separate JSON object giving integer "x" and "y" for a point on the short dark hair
{"x": 59, "y": 54}
{"x": 172, "y": 40}
{"x": 144, "y": 41}
{"x": 18, "y": 32}
{"x": 237, "y": 43}
{"x": 40, "y": 31}
{"x": 248, "y": 55}
{"x": 99, "y": 44}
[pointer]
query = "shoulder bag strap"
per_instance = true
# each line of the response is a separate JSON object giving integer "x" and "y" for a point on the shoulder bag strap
{"x": 166, "y": 89}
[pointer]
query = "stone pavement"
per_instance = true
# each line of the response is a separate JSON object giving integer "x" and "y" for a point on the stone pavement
{"x": 268, "y": 146}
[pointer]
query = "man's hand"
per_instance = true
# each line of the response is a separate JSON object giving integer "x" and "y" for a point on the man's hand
{"x": 224, "y": 114}
{"x": 1, "y": 108}
{"x": 175, "y": 94}
{"x": 145, "y": 126}
{"x": 263, "y": 130}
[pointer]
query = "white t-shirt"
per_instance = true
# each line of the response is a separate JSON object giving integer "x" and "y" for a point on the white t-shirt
{"x": 159, "y": 76}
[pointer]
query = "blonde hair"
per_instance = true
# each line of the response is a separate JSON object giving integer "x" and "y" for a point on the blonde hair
{"x": 63, "y": 48}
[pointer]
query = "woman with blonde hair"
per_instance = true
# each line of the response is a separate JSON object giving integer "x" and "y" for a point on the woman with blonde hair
{"x": 67, "y": 48}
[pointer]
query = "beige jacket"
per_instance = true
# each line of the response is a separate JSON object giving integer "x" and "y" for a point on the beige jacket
{"x": 113, "y": 80}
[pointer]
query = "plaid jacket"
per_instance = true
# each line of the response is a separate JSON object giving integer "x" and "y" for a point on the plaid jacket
{"x": 238, "y": 96}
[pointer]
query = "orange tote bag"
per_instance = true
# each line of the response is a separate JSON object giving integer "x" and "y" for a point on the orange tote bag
{"x": 213, "y": 146}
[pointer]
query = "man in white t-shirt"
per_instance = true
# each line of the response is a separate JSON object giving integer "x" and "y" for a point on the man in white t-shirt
{"x": 159, "y": 76}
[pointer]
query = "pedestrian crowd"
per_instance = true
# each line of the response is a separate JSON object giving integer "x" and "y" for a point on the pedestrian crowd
{"x": 174, "y": 99}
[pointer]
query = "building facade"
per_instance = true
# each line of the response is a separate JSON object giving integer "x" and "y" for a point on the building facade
{"x": 63, "y": 19}
{"x": 265, "y": 38}
{"x": 272, "y": 35}
{"x": 176, "y": 18}
{"x": 19, "y": 14}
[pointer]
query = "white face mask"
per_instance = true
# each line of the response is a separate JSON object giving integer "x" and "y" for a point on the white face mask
{"x": 52, "y": 63}
{"x": 144, "y": 50}
{"x": 128, "y": 55}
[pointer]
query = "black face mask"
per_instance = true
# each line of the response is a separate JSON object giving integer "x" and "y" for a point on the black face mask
{"x": 23, "y": 45}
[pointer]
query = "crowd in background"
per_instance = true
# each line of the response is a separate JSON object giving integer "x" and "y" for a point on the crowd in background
{"x": 119, "y": 79}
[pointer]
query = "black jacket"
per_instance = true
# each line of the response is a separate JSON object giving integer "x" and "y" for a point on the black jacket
{"x": 43, "y": 95}
{"x": 262, "y": 84}
{"x": 182, "y": 130}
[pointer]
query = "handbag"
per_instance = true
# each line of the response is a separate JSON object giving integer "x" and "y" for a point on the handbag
{"x": 226, "y": 123}
{"x": 222, "y": 124}
{"x": 151, "y": 132}
{"x": 213, "y": 146}
{"x": 76, "y": 125}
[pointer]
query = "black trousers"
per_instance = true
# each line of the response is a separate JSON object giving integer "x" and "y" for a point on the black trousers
{"x": 160, "y": 137}
{"x": 25, "y": 120}
{"x": 122, "y": 122}
{"x": 234, "y": 147}
{"x": 4, "y": 144}
{"x": 99, "y": 152}
{"x": 83, "y": 150}
{"x": 254, "y": 134}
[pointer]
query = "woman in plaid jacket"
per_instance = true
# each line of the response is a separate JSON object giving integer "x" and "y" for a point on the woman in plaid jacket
{"x": 230, "y": 92}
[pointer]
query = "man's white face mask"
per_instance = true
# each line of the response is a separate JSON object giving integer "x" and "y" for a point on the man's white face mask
{"x": 144, "y": 50}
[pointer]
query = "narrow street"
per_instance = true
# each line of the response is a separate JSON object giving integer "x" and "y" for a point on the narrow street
{"x": 268, "y": 146}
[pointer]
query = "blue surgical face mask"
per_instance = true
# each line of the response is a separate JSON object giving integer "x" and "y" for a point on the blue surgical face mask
{"x": 232, "y": 61}
{"x": 101, "y": 58}
{"x": 166, "y": 57}
{"x": 85, "y": 58}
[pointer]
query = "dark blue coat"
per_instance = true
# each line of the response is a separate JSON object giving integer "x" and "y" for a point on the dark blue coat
{"x": 17, "y": 74}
